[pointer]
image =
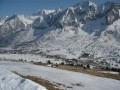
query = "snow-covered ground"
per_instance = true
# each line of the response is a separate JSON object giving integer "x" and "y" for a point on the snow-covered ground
{"x": 43, "y": 59}
{"x": 78, "y": 81}
{"x": 10, "y": 81}
{"x": 111, "y": 72}
{"x": 28, "y": 57}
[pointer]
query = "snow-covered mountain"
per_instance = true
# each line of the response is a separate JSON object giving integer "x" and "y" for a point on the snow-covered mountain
{"x": 85, "y": 27}
{"x": 43, "y": 12}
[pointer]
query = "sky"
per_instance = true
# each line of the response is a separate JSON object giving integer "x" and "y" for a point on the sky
{"x": 28, "y": 7}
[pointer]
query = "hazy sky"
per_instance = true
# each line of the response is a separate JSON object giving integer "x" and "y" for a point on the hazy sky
{"x": 10, "y": 7}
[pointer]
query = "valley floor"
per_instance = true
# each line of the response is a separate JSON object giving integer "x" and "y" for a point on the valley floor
{"x": 66, "y": 79}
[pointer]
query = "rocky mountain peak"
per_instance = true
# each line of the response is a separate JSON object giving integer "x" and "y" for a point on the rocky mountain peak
{"x": 43, "y": 12}
{"x": 85, "y": 26}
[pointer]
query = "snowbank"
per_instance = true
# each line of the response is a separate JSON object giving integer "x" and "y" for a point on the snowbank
{"x": 10, "y": 81}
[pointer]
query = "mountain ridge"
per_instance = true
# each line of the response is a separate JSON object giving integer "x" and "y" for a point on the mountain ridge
{"x": 83, "y": 27}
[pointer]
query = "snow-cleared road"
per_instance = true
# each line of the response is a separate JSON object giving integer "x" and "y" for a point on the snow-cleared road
{"x": 68, "y": 78}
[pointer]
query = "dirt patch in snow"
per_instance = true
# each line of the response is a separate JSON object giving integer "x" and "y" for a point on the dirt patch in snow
{"x": 49, "y": 85}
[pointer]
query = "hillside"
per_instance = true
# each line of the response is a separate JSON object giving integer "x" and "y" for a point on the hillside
{"x": 85, "y": 27}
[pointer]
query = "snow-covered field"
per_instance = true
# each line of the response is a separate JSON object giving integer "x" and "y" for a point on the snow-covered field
{"x": 27, "y": 57}
{"x": 38, "y": 58}
{"x": 78, "y": 81}
{"x": 10, "y": 81}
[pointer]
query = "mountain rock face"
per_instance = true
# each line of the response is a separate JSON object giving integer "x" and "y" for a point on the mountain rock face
{"x": 85, "y": 27}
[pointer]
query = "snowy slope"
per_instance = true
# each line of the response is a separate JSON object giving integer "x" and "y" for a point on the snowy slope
{"x": 85, "y": 27}
{"x": 10, "y": 81}
{"x": 2, "y": 20}
{"x": 67, "y": 78}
